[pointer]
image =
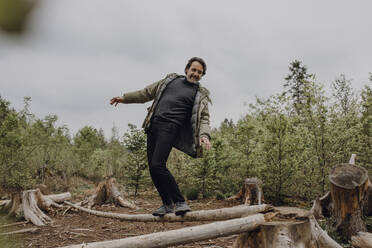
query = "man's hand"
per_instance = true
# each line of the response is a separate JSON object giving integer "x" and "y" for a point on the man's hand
{"x": 115, "y": 100}
{"x": 205, "y": 143}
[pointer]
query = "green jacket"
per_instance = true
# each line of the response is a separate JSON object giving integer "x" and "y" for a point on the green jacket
{"x": 188, "y": 140}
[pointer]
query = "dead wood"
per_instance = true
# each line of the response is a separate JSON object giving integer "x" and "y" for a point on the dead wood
{"x": 367, "y": 202}
{"x": 104, "y": 191}
{"x": 31, "y": 209}
{"x": 321, "y": 236}
{"x": 202, "y": 215}
{"x": 184, "y": 235}
{"x": 4, "y": 203}
{"x": 32, "y": 202}
{"x": 322, "y": 207}
{"x": 348, "y": 186}
{"x": 250, "y": 192}
{"x": 362, "y": 240}
{"x": 292, "y": 227}
{"x": 14, "y": 224}
{"x": 15, "y": 205}
{"x": 27, "y": 230}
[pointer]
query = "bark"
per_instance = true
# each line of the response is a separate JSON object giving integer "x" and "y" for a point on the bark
{"x": 367, "y": 202}
{"x": 250, "y": 192}
{"x": 362, "y": 240}
{"x": 202, "y": 215}
{"x": 348, "y": 186}
{"x": 184, "y": 235}
{"x": 104, "y": 191}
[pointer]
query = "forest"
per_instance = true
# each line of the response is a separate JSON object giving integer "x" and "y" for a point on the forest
{"x": 290, "y": 141}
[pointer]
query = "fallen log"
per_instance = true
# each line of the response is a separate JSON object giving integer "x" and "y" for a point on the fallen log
{"x": 362, "y": 240}
{"x": 107, "y": 190}
{"x": 201, "y": 215}
{"x": 184, "y": 235}
{"x": 348, "y": 185}
{"x": 32, "y": 202}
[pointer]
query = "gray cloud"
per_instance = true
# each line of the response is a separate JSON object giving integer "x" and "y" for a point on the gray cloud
{"x": 77, "y": 55}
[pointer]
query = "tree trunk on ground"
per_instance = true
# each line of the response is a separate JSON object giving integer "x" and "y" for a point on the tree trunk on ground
{"x": 292, "y": 228}
{"x": 184, "y": 235}
{"x": 104, "y": 191}
{"x": 362, "y": 240}
{"x": 202, "y": 215}
{"x": 30, "y": 202}
{"x": 348, "y": 186}
{"x": 250, "y": 192}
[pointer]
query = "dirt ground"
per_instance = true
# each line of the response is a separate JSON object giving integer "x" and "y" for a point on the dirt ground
{"x": 76, "y": 227}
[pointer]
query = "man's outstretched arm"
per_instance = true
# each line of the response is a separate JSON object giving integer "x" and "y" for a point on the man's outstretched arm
{"x": 139, "y": 96}
{"x": 116, "y": 100}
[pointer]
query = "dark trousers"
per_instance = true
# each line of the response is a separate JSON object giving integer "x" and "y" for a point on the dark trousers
{"x": 160, "y": 138}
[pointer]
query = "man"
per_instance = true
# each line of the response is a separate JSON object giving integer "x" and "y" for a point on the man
{"x": 178, "y": 117}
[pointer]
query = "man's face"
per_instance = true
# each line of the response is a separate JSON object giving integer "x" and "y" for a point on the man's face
{"x": 195, "y": 72}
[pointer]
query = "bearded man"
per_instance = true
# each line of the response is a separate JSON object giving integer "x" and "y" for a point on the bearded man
{"x": 178, "y": 117}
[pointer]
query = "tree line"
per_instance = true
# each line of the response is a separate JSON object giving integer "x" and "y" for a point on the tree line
{"x": 289, "y": 140}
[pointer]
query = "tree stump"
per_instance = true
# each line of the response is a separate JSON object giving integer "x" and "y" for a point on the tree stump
{"x": 278, "y": 234}
{"x": 292, "y": 228}
{"x": 367, "y": 204}
{"x": 32, "y": 202}
{"x": 104, "y": 191}
{"x": 348, "y": 186}
{"x": 250, "y": 192}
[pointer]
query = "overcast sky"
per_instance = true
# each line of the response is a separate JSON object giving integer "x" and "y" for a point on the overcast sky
{"x": 76, "y": 55}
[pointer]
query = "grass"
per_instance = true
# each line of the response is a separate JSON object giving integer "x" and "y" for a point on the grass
{"x": 8, "y": 241}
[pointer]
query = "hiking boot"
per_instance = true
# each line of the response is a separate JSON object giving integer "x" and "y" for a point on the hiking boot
{"x": 181, "y": 208}
{"x": 163, "y": 210}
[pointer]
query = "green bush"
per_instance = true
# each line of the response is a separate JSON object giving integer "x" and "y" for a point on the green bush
{"x": 192, "y": 193}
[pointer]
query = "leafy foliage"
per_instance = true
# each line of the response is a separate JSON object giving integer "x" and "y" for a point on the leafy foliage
{"x": 289, "y": 140}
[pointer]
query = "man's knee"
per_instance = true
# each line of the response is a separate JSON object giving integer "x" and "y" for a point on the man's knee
{"x": 158, "y": 169}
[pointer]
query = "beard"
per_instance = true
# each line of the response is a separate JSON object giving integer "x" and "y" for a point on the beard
{"x": 193, "y": 79}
